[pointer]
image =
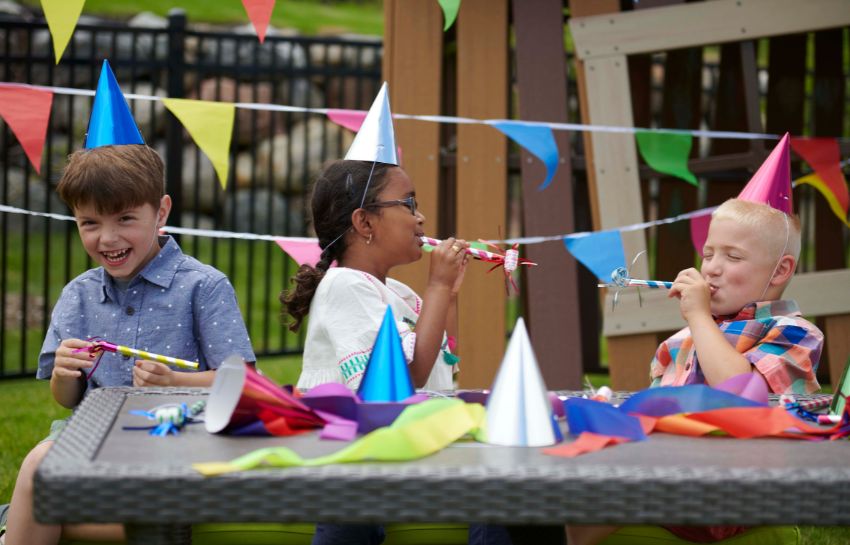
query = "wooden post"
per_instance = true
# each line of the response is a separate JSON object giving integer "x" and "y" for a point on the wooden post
{"x": 412, "y": 66}
{"x": 482, "y": 87}
{"x": 553, "y": 313}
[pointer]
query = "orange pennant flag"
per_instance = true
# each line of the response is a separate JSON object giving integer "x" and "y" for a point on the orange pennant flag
{"x": 824, "y": 156}
{"x": 260, "y": 13}
{"x": 62, "y": 16}
{"x": 27, "y": 111}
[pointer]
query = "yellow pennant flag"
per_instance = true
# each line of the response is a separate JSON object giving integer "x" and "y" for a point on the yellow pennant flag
{"x": 817, "y": 182}
{"x": 61, "y": 18}
{"x": 211, "y": 126}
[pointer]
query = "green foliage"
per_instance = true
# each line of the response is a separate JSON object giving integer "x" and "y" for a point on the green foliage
{"x": 306, "y": 16}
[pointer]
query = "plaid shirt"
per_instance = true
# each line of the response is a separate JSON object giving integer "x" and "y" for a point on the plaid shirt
{"x": 784, "y": 347}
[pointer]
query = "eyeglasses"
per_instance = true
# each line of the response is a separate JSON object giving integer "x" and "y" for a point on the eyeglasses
{"x": 409, "y": 202}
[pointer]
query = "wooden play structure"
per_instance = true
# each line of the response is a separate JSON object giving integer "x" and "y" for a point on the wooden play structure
{"x": 462, "y": 171}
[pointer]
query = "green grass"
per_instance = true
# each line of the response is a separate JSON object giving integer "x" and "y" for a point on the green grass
{"x": 306, "y": 16}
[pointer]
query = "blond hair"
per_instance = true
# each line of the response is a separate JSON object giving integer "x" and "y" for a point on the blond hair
{"x": 779, "y": 231}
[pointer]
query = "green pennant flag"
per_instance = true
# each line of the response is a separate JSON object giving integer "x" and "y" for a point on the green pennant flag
{"x": 450, "y": 9}
{"x": 667, "y": 153}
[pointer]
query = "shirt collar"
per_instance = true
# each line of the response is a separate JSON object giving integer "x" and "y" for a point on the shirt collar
{"x": 763, "y": 309}
{"x": 159, "y": 271}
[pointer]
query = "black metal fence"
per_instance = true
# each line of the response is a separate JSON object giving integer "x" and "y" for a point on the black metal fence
{"x": 273, "y": 155}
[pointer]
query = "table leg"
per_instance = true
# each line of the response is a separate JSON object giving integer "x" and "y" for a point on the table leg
{"x": 158, "y": 534}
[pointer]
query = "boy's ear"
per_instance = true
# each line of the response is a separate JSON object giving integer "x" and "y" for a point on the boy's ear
{"x": 164, "y": 210}
{"x": 784, "y": 271}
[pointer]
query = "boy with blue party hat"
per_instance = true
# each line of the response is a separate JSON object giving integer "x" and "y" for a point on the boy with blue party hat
{"x": 146, "y": 293}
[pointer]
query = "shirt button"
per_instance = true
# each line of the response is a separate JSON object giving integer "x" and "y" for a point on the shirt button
{"x": 130, "y": 311}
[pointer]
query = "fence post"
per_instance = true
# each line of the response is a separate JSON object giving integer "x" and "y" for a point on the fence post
{"x": 174, "y": 129}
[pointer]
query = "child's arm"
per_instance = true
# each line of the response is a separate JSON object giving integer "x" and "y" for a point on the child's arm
{"x": 153, "y": 373}
{"x": 68, "y": 379}
{"x": 718, "y": 359}
{"x": 451, "y": 317}
{"x": 446, "y": 273}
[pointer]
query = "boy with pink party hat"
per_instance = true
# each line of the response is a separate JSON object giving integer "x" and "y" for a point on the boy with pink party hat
{"x": 737, "y": 320}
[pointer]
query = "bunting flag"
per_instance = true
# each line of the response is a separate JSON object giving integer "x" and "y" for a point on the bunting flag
{"x": 421, "y": 429}
{"x": 450, "y": 9}
{"x": 350, "y": 119}
{"x": 667, "y": 153}
{"x": 537, "y": 140}
{"x": 27, "y": 112}
{"x": 259, "y": 12}
{"x": 824, "y": 156}
{"x": 699, "y": 230}
{"x": 304, "y": 253}
{"x": 601, "y": 252}
{"x": 62, "y": 16}
{"x": 211, "y": 126}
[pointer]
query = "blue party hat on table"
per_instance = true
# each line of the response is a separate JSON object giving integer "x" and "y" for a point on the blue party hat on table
{"x": 111, "y": 122}
{"x": 375, "y": 141}
{"x": 387, "y": 378}
{"x": 519, "y": 413}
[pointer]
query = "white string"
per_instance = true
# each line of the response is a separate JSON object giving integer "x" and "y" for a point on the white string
{"x": 212, "y": 233}
{"x": 580, "y": 127}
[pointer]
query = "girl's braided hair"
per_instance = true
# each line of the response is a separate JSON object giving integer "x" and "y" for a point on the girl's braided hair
{"x": 337, "y": 193}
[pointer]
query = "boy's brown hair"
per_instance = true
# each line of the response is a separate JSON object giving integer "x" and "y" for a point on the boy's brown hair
{"x": 113, "y": 178}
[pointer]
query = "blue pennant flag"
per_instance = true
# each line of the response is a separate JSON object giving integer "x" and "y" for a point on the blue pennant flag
{"x": 601, "y": 252}
{"x": 537, "y": 140}
{"x": 387, "y": 378}
{"x": 111, "y": 122}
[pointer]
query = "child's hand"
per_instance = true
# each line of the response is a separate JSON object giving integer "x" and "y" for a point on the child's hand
{"x": 693, "y": 292}
{"x": 68, "y": 363}
{"x": 152, "y": 373}
{"x": 448, "y": 263}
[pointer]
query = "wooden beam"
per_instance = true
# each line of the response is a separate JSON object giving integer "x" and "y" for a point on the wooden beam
{"x": 698, "y": 23}
{"x": 822, "y": 293}
{"x": 553, "y": 312}
{"x": 412, "y": 66}
{"x": 482, "y": 92}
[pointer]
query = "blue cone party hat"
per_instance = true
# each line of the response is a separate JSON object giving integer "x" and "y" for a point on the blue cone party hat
{"x": 375, "y": 141}
{"x": 111, "y": 122}
{"x": 519, "y": 413}
{"x": 387, "y": 378}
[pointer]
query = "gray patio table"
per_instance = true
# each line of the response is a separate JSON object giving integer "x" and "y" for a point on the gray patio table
{"x": 99, "y": 472}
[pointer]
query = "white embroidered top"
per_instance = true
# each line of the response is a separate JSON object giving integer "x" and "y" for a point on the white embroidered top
{"x": 345, "y": 315}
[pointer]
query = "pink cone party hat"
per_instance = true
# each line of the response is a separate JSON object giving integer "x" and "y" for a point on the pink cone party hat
{"x": 772, "y": 183}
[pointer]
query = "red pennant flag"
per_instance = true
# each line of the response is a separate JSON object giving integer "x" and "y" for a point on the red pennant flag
{"x": 824, "y": 156}
{"x": 260, "y": 13}
{"x": 26, "y": 111}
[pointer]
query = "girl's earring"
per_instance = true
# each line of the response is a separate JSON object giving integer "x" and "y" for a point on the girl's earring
{"x": 369, "y": 240}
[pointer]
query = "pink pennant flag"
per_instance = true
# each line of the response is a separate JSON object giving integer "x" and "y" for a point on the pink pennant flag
{"x": 699, "y": 231}
{"x": 301, "y": 251}
{"x": 26, "y": 111}
{"x": 771, "y": 184}
{"x": 350, "y": 119}
{"x": 259, "y": 12}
